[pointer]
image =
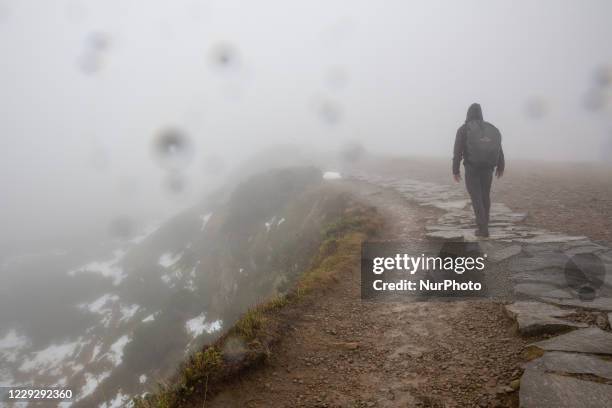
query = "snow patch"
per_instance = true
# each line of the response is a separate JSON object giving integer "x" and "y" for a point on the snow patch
{"x": 91, "y": 383}
{"x": 270, "y": 223}
{"x": 142, "y": 379}
{"x": 205, "y": 218}
{"x": 120, "y": 400}
{"x": 168, "y": 259}
{"x": 115, "y": 355}
{"x": 98, "y": 306}
{"x": 108, "y": 269}
{"x": 107, "y": 306}
{"x": 170, "y": 277}
{"x": 11, "y": 345}
{"x": 95, "y": 352}
{"x": 146, "y": 233}
{"x": 53, "y": 356}
{"x": 150, "y": 317}
{"x": 198, "y": 325}
{"x": 128, "y": 312}
{"x": 331, "y": 175}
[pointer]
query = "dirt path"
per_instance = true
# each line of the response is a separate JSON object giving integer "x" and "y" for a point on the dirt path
{"x": 343, "y": 352}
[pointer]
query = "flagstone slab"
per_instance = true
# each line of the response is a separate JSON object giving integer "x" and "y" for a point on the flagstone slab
{"x": 543, "y": 260}
{"x": 572, "y": 363}
{"x": 535, "y": 318}
{"x": 550, "y": 238}
{"x": 501, "y": 253}
{"x": 591, "y": 340}
{"x": 543, "y": 390}
{"x": 603, "y": 304}
{"x": 542, "y": 290}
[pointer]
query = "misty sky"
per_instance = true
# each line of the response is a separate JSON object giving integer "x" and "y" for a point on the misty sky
{"x": 87, "y": 85}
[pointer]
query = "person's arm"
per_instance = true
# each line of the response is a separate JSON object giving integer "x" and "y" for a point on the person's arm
{"x": 458, "y": 153}
{"x": 501, "y": 163}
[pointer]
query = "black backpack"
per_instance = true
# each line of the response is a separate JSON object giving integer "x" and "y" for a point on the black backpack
{"x": 483, "y": 143}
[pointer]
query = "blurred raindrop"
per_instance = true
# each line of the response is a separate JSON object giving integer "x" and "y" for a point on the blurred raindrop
{"x": 99, "y": 41}
{"x": 174, "y": 183}
{"x": 97, "y": 45}
{"x": 536, "y": 107}
{"x": 173, "y": 148}
{"x": 329, "y": 111}
{"x": 603, "y": 76}
{"x": 121, "y": 227}
{"x": 352, "y": 152}
{"x": 90, "y": 63}
{"x": 224, "y": 56}
{"x": 594, "y": 100}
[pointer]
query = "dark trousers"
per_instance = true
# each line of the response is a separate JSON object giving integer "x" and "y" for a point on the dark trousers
{"x": 478, "y": 183}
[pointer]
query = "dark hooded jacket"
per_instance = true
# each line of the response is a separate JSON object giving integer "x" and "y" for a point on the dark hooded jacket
{"x": 459, "y": 152}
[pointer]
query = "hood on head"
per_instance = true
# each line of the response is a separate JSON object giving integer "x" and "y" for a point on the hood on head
{"x": 474, "y": 112}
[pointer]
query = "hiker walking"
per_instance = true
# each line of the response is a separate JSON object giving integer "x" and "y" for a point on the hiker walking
{"x": 478, "y": 143}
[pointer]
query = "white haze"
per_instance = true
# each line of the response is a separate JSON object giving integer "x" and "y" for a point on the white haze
{"x": 76, "y": 146}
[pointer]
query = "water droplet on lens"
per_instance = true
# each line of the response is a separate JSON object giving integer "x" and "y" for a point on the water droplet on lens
{"x": 92, "y": 57}
{"x": 603, "y": 76}
{"x": 173, "y": 148}
{"x": 352, "y": 152}
{"x": 224, "y": 56}
{"x": 98, "y": 41}
{"x": 90, "y": 62}
{"x": 329, "y": 112}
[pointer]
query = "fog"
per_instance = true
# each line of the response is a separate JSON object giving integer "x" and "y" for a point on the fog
{"x": 97, "y": 94}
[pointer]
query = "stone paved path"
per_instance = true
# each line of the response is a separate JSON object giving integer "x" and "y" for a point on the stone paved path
{"x": 551, "y": 297}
